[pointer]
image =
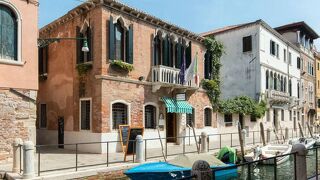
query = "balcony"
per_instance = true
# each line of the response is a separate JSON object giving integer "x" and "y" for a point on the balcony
{"x": 278, "y": 97}
{"x": 163, "y": 76}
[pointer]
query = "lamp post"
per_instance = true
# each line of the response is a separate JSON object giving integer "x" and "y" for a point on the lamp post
{"x": 43, "y": 42}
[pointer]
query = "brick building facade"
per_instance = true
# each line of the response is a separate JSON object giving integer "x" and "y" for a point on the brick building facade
{"x": 18, "y": 73}
{"x": 95, "y": 104}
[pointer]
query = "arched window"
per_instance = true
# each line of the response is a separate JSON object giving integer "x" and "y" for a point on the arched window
{"x": 119, "y": 41}
{"x": 275, "y": 82}
{"x": 298, "y": 89}
{"x": 290, "y": 88}
{"x": 150, "y": 117}
{"x": 190, "y": 118}
{"x": 267, "y": 79}
{"x": 285, "y": 85}
{"x": 157, "y": 51}
{"x": 119, "y": 115}
{"x": 207, "y": 117}
{"x": 271, "y": 80}
{"x": 281, "y": 83}
{"x": 8, "y": 34}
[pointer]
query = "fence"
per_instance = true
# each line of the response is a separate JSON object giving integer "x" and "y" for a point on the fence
{"x": 61, "y": 159}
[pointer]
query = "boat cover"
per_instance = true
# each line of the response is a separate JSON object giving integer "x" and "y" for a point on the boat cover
{"x": 232, "y": 154}
{"x": 188, "y": 160}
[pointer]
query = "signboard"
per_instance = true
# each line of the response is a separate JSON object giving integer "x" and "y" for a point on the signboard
{"x": 181, "y": 97}
{"x": 133, "y": 133}
{"x": 124, "y": 132}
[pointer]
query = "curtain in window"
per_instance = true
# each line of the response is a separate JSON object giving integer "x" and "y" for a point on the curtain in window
{"x": 8, "y": 34}
{"x": 119, "y": 115}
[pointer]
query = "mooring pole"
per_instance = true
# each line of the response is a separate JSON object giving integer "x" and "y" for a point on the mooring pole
{"x": 195, "y": 138}
{"x": 241, "y": 140}
{"x": 262, "y": 134}
{"x": 308, "y": 125}
{"x": 164, "y": 157}
{"x": 301, "y": 131}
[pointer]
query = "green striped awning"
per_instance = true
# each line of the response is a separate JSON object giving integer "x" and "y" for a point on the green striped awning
{"x": 175, "y": 106}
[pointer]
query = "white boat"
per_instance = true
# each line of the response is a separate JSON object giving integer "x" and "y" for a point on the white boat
{"x": 308, "y": 142}
{"x": 268, "y": 151}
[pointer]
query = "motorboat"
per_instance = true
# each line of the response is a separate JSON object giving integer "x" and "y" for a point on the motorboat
{"x": 180, "y": 167}
{"x": 308, "y": 142}
{"x": 269, "y": 151}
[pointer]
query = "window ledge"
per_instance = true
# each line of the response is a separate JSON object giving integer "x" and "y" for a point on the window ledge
{"x": 11, "y": 62}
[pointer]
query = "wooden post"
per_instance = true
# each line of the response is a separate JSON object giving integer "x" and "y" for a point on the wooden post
{"x": 308, "y": 125}
{"x": 164, "y": 157}
{"x": 262, "y": 134}
{"x": 241, "y": 140}
{"x": 301, "y": 131}
{"x": 195, "y": 138}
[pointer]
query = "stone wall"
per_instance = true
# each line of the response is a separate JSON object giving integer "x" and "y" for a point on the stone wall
{"x": 17, "y": 119}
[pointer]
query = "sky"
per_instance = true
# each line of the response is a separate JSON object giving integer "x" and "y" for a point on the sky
{"x": 204, "y": 15}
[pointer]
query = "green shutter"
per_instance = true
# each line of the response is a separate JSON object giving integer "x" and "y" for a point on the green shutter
{"x": 40, "y": 59}
{"x": 129, "y": 42}
{"x": 178, "y": 57}
{"x": 165, "y": 60}
{"x": 111, "y": 39}
{"x": 170, "y": 54}
{"x": 8, "y": 34}
{"x": 206, "y": 66}
{"x": 78, "y": 46}
{"x": 90, "y": 44}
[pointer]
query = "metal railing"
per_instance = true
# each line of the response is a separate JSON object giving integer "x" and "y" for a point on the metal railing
{"x": 224, "y": 139}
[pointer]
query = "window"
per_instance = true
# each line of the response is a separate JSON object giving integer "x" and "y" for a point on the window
{"x": 119, "y": 115}
{"x": 228, "y": 119}
{"x": 284, "y": 55}
{"x": 43, "y": 116}
{"x": 120, "y": 41}
{"x": 290, "y": 87}
{"x": 8, "y": 34}
{"x": 290, "y": 58}
{"x": 247, "y": 43}
{"x": 298, "y": 63}
{"x": 277, "y": 51}
{"x": 43, "y": 60}
{"x": 298, "y": 116}
{"x": 150, "y": 116}
{"x": 318, "y": 66}
{"x": 83, "y": 57}
{"x": 253, "y": 118}
{"x": 290, "y": 115}
{"x": 267, "y": 79}
{"x": 298, "y": 89}
{"x": 85, "y": 114}
{"x": 318, "y": 103}
{"x": 272, "y": 47}
{"x": 190, "y": 118}
{"x": 207, "y": 66}
{"x": 282, "y": 115}
{"x": 207, "y": 117}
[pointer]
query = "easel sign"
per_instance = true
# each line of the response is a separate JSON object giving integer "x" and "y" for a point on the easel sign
{"x": 124, "y": 134}
{"x": 133, "y": 133}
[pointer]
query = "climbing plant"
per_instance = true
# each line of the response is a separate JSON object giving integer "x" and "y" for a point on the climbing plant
{"x": 243, "y": 105}
{"x": 214, "y": 52}
{"x": 83, "y": 68}
{"x": 122, "y": 65}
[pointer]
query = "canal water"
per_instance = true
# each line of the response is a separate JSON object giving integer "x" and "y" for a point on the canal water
{"x": 285, "y": 171}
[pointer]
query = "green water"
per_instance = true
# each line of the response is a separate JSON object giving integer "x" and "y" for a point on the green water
{"x": 285, "y": 171}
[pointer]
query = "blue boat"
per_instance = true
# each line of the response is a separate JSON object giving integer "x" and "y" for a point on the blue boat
{"x": 167, "y": 170}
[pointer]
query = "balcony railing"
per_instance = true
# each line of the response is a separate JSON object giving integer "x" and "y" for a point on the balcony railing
{"x": 275, "y": 95}
{"x": 168, "y": 75}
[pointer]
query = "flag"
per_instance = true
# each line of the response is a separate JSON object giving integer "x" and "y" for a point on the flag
{"x": 183, "y": 70}
{"x": 192, "y": 71}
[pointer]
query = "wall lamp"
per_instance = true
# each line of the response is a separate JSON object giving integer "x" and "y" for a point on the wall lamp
{"x": 46, "y": 41}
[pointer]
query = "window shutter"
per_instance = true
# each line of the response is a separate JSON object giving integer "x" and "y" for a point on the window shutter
{"x": 40, "y": 54}
{"x": 178, "y": 58}
{"x": 206, "y": 66}
{"x": 170, "y": 54}
{"x": 111, "y": 39}
{"x": 188, "y": 55}
{"x": 78, "y": 46}
{"x": 165, "y": 51}
{"x": 129, "y": 42}
{"x": 90, "y": 44}
{"x": 270, "y": 46}
{"x": 46, "y": 59}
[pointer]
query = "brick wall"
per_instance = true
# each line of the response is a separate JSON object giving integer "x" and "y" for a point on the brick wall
{"x": 17, "y": 117}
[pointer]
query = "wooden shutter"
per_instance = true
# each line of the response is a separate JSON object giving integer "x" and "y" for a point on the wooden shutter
{"x": 40, "y": 54}
{"x": 78, "y": 46}
{"x": 165, "y": 60}
{"x": 45, "y": 59}
{"x": 111, "y": 39}
{"x": 129, "y": 45}
{"x": 178, "y": 58}
{"x": 90, "y": 44}
{"x": 188, "y": 55}
{"x": 206, "y": 66}
{"x": 170, "y": 54}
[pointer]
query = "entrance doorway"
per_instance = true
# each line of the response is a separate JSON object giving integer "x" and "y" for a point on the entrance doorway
{"x": 171, "y": 126}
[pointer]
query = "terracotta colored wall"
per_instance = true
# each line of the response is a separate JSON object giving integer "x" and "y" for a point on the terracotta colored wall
{"x": 24, "y": 76}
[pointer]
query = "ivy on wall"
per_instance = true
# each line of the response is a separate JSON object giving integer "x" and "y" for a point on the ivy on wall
{"x": 212, "y": 86}
{"x": 243, "y": 105}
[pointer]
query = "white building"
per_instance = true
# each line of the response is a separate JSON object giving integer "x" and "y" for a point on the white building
{"x": 260, "y": 63}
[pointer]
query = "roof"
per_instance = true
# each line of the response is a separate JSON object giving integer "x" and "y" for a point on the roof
{"x": 124, "y": 9}
{"x": 298, "y": 26}
{"x": 257, "y": 22}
